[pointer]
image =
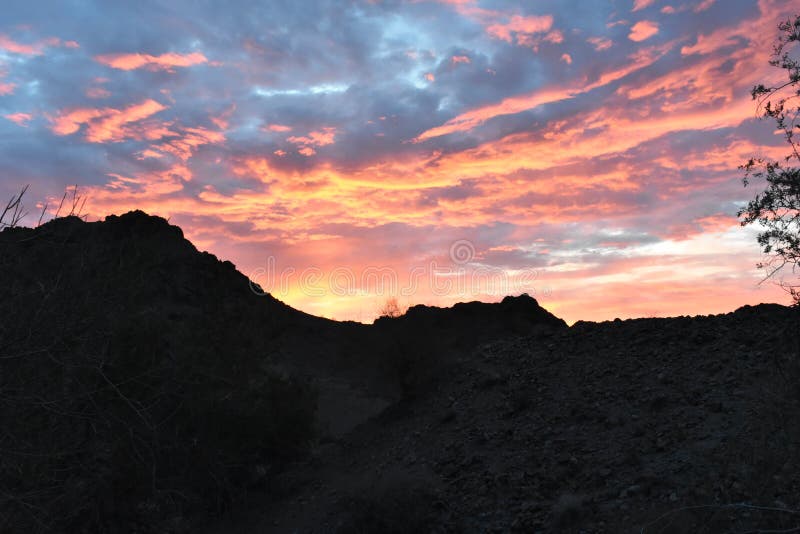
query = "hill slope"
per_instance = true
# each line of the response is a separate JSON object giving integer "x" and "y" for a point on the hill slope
{"x": 144, "y": 382}
{"x": 651, "y": 425}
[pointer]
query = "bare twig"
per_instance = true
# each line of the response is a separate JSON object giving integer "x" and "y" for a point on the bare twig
{"x": 60, "y": 205}
{"x": 15, "y": 208}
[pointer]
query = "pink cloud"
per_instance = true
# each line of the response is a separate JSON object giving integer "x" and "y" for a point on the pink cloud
{"x": 20, "y": 119}
{"x": 106, "y": 124}
{"x": 278, "y": 128}
{"x": 643, "y": 30}
{"x": 149, "y": 153}
{"x": 600, "y": 43}
{"x": 33, "y": 49}
{"x": 704, "y": 5}
{"x": 710, "y": 224}
{"x": 520, "y": 25}
{"x": 516, "y": 104}
{"x": 455, "y": 60}
{"x": 187, "y": 140}
{"x": 323, "y": 137}
{"x": 222, "y": 120}
{"x": 641, "y": 4}
{"x": 166, "y": 61}
{"x": 9, "y": 45}
{"x": 146, "y": 189}
{"x": 7, "y": 88}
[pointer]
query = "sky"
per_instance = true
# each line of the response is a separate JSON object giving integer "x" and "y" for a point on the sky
{"x": 342, "y": 153}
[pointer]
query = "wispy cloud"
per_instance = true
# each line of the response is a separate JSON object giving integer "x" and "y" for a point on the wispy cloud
{"x": 108, "y": 124}
{"x": 166, "y": 61}
{"x": 20, "y": 119}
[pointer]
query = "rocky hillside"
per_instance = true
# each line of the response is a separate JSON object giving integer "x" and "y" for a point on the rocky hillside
{"x": 144, "y": 385}
{"x": 688, "y": 424}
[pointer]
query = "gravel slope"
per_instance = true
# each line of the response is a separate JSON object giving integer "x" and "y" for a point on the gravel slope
{"x": 602, "y": 427}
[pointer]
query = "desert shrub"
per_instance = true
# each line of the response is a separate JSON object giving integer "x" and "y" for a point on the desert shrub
{"x": 390, "y": 308}
{"x": 131, "y": 394}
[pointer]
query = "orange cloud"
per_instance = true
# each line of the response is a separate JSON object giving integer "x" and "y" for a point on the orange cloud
{"x": 707, "y": 44}
{"x": 520, "y": 25}
{"x": 69, "y": 123}
{"x": 278, "y": 128}
{"x": 20, "y": 119}
{"x": 459, "y": 59}
{"x": 519, "y": 29}
{"x": 186, "y": 142}
{"x": 149, "y": 153}
{"x": 719, "y": 222}
{"x": 147, "y": 187}
{"x": 166, "y": 61}
{"x": 470, "y": 119}
{"x": 643, "y": 30}
{"x": 641, "y": 4}
{"x": 702, "y": 6}
{"x": 9, "y": 45}
{"x": 600, "y": 43}
{"x": 323, "y": 137}
{"x": 34, "y": 49}
{"x": 106, "y": 124}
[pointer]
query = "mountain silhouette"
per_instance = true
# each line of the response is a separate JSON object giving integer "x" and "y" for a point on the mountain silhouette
{"x": 144, "y": 386}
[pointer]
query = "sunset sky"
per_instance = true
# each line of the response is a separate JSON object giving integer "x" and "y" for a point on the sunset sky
{"x": 340, "y": 153}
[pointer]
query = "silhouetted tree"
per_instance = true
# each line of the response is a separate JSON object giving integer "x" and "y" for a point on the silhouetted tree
{"x": 777, "y": 208}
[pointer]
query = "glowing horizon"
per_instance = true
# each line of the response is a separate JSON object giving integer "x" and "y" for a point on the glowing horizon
{"x": 585, "y": 155}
